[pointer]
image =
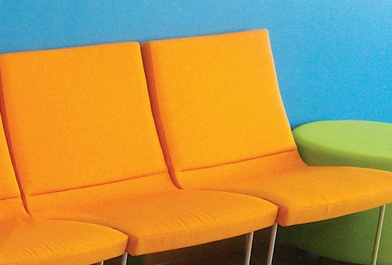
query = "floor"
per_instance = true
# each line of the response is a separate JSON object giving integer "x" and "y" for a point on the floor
{"x": 230, "y": 253}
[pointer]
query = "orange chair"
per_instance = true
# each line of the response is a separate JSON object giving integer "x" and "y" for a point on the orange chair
{"x": 85, "y": 148}
{"x": 26, "y": 240}
{"x": 223, "y": 127}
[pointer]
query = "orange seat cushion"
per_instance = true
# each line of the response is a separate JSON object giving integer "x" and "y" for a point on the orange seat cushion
{"x": 159, "y": 219}
{"x": 223, "y": 126}
{"x": 26, "y": 240}
{"x": 303, "y": 193}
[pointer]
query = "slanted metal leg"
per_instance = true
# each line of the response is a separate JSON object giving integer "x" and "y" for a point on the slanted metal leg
{"x": 124, "y": 258}
{"x": 378, "y": 234}
{"x": 100, "y": 263}
{"x": 272, "y": 244}
{"x": 249, "y": 243}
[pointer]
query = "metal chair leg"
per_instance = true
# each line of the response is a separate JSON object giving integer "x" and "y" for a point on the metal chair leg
{"x": 249, "y": 243}
{"x": 272, "y": 244}
{"x": 124, "y": 258}
{"x": 100, "y": 263}
{"x": 378, "y": 234}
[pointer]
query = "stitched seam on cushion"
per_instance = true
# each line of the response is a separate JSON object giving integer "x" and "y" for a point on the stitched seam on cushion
{"x": 238, "y": 161}
{"x": 10, "y": 198}
{"x": 195, "y": 229}
{"x": 336, "y": 203}
{"x": 97, "y": 185}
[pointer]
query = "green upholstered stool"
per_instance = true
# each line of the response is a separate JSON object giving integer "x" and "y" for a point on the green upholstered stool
{"x": 345, "y": 143}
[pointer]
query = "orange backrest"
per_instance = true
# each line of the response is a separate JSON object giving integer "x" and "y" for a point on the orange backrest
{"x": 76, "y": 116}
{"x": 216, "y": 104}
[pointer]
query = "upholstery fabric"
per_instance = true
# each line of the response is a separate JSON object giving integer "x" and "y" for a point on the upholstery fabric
{"x": 197, "y": 84}
{"x": 26, "y": 240}
{"x": 159, "y": 220}
{"x": 85, "y": 148}
{"x": 345, "y": 143}
{"x": 223, "y": 126}
{"x": 77, "y": 109}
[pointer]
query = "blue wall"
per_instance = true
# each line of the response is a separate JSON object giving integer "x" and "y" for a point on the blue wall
{"x": 333, "y": 58}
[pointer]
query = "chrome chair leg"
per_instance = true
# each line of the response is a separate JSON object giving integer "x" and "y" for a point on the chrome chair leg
{"x": 124, "y": 258}
{"x": 378, "y": 234}
{"x": 249, "y": 243}
{"x": 272, "y": 244}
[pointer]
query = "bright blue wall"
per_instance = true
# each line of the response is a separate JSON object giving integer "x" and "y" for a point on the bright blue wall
{"x": 333, "y": 58}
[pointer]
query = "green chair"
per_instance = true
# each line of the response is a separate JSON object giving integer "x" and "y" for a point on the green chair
{"x": 345, "y": 143}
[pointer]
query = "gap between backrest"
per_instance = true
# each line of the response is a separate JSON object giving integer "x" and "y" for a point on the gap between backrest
{"x": 18, "y": 197}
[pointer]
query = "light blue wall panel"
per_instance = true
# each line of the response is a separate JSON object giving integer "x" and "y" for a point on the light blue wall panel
{"x": 42, "y": 24}
{"x": 333, "y": 58}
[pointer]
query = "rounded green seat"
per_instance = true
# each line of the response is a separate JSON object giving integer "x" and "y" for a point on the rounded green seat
{"x": 345, "y": 143}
